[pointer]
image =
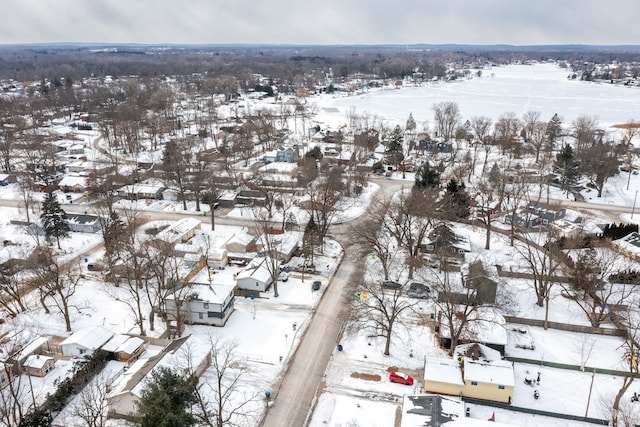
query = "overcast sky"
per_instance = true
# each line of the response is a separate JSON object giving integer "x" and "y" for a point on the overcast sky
{"x": 518, "y": 22}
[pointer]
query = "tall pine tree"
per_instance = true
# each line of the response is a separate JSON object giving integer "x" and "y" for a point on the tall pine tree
{"x": 427, "y": 177}
{"x": 166, "y": 400}
{"x": 53, "y": 219}
{"x": 393, "y": 153}
{"x": 566, "y": 166}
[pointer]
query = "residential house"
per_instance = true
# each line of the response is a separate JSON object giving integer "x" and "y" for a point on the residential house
{"x": 475, "y": 371}
{"x": 6, "y": 179}
{"x": 189, "y": 355}
{"x": 279, "y": 244}
{"x": 443, "y": 376}
{"x": 250, "y": 198}
{"x": 287, "y": 155}
{"x": 85, "y": 341}
{"x": 73, "y": 184}
{"x": 485, "y": 289}
{"x": 124, "y": 347}
{"x": 433, "y": 410}
{"x": 38, "y": 365}
{"x": 546, "y": 212}
{"x": 201, "y": 303}
{"x": 486, "y": 375}
{"x": 241, "y": 243}
{"x": 178, "y": 231}
{"x": 142, "y": 191}
{"x": 629, "y": 245}
{"x": 83, "y": 223}
{"x": 256, "y": 275}
{"x": 270, "y": 156}
{"x": 457, "y": 245}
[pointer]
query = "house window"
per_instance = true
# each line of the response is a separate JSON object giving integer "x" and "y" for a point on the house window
{"x": 200, "y": 316}
{"x": 83, "y": 351}
{"x": 206, "y": 305}
{"x": 500, "y": 387}
{"x": 474, "y": 382}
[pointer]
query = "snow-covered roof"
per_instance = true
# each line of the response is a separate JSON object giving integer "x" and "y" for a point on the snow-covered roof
{"x": 72, "y": 181}
{"x": 630, "y": 242}
{"x": 92, "y": 337}
{"x": 214, "y": 293}
{"x": 257, "y": 269}
{"x": 178, "y": 229}
{"x": 489, "y": 371}
{"x": 32, "y": 347}
{"x": 285, "y": 243}
{"x": 442, "y": 370}
{"x": 36, "y": 361}
{"x": 115, "y": 342}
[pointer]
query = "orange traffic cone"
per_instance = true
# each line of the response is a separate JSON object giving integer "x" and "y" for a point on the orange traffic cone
{"x": 493, "y": 417}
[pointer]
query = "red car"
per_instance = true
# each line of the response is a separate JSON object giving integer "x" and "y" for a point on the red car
{"x": 400, "y": 378}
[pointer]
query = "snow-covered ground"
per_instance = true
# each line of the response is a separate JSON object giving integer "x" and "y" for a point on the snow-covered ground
{"x": 263, "y": 329}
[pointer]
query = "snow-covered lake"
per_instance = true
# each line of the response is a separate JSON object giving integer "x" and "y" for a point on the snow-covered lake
{"x": 514, "y": 88}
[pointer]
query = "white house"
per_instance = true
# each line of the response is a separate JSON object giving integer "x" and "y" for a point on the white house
{"x": 283, "y": 245}
{"x": 256, "y": 275}
{"x": 202, "y": 304}
{"x": 179, "y": 231}
{"x": 85, "y": 341}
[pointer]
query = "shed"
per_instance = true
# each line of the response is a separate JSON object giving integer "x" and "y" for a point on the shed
{"x": 85, "y": 341}
{"x": 38, "y": 366}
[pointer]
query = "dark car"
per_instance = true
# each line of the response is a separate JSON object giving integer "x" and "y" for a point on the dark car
{"x": 418, "y": 290}
{"x": 400, "y": 378}
{"x": 390, "y": 284}
{"x": 315, "y": 286}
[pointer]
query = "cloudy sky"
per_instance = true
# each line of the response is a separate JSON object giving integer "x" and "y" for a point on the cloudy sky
{"x": 519, "y": 22}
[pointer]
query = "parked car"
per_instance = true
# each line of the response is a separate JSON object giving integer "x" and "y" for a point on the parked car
{"x": 390, "y": 284}
{"x": 315, "y": 286}
{"x": 400, "y": 378}
{"x": 418, "y": 290}
{"x": 283, "y": 277}
{"x": 309, "y": 268}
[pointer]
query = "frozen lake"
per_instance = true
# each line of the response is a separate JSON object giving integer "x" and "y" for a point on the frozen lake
{"x": 514, "y": 88}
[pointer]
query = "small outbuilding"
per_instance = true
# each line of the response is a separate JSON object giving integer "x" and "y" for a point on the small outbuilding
{"x": 38, "y": 366}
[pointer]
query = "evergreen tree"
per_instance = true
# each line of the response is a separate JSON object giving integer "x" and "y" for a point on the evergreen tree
{"x": 455, "y": 203}
{"x": 166, "y": 400}
{"x": 393, "y": 153}
{"x": 411, "y": 123}
{"x": 113, "y": 233}
{"x": 53, "y": 219}
{"x": 566, "y": 166}
{"x": 554, "y": 127}
{"x": 427, "y": 177}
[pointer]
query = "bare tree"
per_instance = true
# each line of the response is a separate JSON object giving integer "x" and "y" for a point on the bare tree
{"x": 461, "y": 306}
{"x": 597, "y": 298}
{"x": 370, "y": 237}
{"x": 222, "y": 401}
{"x": 446, "y": 117}
{"x": 270, "y": 245}
{"x": 57, "y": 282}
{"x": 17, "y": 397}
{"x": 408, "y": 220}
{"x": 91, "y": 403}
{"x": 380, "y": 309}
{"x": 541, "y": 260}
